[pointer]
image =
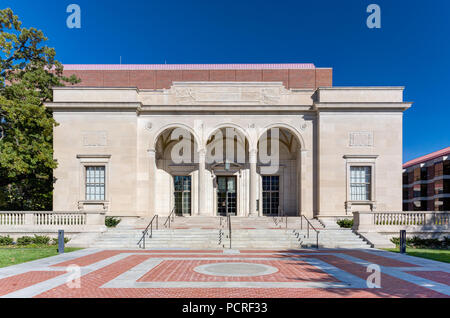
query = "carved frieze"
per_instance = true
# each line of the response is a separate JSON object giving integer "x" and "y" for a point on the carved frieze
{"x": 227, "y": 94}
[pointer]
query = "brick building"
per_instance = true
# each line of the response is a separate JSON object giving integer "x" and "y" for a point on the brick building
{"x": 426, "y": 182}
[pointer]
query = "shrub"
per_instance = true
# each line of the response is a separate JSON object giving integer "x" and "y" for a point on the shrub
{"x": 345, "y": 223}
{"x": 41, "y": 240}
{"x": 446, "y": 242}
{"x": 396, "y": 241}
{"x": 55, "y": 240}
{"x": 6, "y": 240}
{"x": 418, "y": 242}
{"x": 24, "y": 240}
{"x": 111, "y": 221}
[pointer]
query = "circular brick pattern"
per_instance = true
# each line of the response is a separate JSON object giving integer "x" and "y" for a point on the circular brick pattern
{"x": 237, "y": 269}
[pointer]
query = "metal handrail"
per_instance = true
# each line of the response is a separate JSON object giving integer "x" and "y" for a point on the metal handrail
{"x": 221, "y": 228}
{"x": 145, "y": 232}
{"x": 307, "y": 230}
{"x": 229, "y": 227}
{"x": 170, "y": 218}
{"x": 281, "y": 215}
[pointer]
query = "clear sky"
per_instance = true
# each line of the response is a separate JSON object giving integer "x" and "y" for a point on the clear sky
{"x": 411, "y": 49}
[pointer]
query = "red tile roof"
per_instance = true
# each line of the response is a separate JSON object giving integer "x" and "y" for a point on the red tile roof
{"x": 128, "y": 67}
{"x": 430, "y": 156}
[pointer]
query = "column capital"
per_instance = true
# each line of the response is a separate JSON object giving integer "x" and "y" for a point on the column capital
{"x": 202, "y": 154}
{"x": 151, "y": 152}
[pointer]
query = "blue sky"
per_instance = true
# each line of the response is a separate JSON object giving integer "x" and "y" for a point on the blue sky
{"x": 411, "y": 49}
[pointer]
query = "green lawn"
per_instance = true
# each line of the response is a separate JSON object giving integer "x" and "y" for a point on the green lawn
{"x": 434, "y": 254}
{"x": 12, "y": 256}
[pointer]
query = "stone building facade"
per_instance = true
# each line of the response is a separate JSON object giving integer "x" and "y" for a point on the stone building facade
{"x": 139, "y": 140}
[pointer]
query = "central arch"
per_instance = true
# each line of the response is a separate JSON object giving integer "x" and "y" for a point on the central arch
{"x": 227, "y": 148}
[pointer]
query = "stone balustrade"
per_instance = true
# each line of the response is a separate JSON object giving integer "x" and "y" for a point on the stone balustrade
{"x": 414, "y": 221}
{"x": 50, "y": 221}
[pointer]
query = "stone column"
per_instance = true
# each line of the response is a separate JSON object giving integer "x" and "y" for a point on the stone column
{"x": 201, "y": 182}
{"x": 152, "y": 181}
{"x": 300, "y": 161}
{"x": 253, "y": 181}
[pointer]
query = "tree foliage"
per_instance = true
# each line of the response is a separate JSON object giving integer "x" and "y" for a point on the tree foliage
{"x": 28, "y": 73}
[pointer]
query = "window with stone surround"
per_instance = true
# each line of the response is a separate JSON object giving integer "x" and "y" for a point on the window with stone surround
{"x": 95, "y": 183}
{"x": 360, "y": 183}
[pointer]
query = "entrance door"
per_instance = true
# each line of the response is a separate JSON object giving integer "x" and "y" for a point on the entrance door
{"x": 226, "y": 195}
{"x": 182, "y": 194}
{"x": 271, "y": 194}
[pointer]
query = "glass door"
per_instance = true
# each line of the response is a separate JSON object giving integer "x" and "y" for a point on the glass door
{"x": 271, "y": 194}
{"x": 182, "y": 194}
{"x": 226, "y": 195}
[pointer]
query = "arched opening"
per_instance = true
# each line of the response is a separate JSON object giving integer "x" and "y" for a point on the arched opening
{"x": 227, "y": 167}
{"x": 279, "y": 172}
{"x": 176, "y": 170}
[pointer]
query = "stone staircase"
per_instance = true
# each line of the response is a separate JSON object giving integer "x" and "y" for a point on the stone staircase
{"x": 161, "y": 239}
{"x": 332, "y": 238}
{"x": 247, "y": 233}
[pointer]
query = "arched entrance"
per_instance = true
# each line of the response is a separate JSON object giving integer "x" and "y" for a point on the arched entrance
{"x": 227, "y": 166}
{"x": 176, "y": 171}
{"x": 279, "y": 170}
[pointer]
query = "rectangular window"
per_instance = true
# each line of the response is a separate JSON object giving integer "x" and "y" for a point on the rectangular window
{"x": 423, "y": 173}
{"x": 182, "y": 194}
{"x": 360, "y": 183}
{"x": 95, "y": 183}
{"x": 447, "y": 167}
{"x": 405, "y": 178}
{"x": 416, "y": 174}
{"x": 271, "y": 194}
{"x": 438, "y": 169}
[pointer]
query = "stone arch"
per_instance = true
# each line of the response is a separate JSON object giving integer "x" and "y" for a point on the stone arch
{"x": 243, "y": 131}
{"x": 287, "y": 205}
{"x": 291, "y": 129}
{"x": 161, "y": 130}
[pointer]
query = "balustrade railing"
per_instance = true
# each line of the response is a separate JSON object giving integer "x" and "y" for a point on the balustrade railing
{"x": 368, "y": 221}
{"x": 59, "y": 218}
{"x": 50, "y": 218}
{"x": 12, "y": 218}
{"x": 411, "y": 218}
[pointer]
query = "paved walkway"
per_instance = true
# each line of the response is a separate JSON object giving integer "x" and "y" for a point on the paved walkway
{"x": 206, "y": 273}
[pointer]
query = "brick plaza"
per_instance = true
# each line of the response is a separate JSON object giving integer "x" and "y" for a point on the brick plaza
{"x": 323, "y": 273}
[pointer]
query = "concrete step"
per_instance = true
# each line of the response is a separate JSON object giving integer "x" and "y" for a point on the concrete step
{"x": 247, "y": 233}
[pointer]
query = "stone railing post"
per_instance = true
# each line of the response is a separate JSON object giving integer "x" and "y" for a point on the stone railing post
{"x": 363, "y": 221}
{"x": 28, "y": 219}
{"x": 95, "y": 218}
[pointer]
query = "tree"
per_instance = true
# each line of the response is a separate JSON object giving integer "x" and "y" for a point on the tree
{"x": 28, "y": 73}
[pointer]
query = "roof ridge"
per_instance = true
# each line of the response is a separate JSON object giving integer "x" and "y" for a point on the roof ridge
{"x": 231, "y": 66}
{"x": 430, "y": 156}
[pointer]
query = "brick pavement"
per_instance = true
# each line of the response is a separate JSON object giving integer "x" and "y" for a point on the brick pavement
{"x": 176, "y": 273}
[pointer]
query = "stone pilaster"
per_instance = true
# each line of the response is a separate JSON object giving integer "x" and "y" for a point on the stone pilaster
{"x": 201, "y": 182}
{"x": 152, "y": 181}
{"x": 253, "y": 181}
